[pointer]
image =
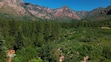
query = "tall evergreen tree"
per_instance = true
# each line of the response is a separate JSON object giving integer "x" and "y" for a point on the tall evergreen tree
{"x": 2, "y": 50}
{"x": 56, "y": 30}
{"x": 47, "y": 30}
{"x": 39, "y": 34}
{"x": 19, "y": 39}
{"x": 12, "y": 27}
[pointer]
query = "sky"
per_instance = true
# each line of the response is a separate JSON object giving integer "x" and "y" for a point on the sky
{"x": 76, "y": 5}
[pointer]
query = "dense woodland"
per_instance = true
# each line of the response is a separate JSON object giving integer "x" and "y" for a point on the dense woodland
{"x": 46, "y": 40}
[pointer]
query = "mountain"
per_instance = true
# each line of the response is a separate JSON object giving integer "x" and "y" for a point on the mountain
{"x": 99, "y": 14}
{"x": 107, "y": 11}
{"x": 38, "y": 11}
{"x": 83, "y": 14}
{"x": 13, "y": 7}
{"x": 66, "y": 12}
{"x": 95, "y": 14}
{"x": 44, "y": 12}
{"x": 20, "y": 9}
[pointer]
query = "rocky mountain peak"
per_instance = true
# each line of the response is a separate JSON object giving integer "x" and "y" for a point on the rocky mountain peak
{"x": 12, "y": 1}
{"x": 66, "y": 12}
{"x": 12, "y": 7}
{"x": 18, "y": 7}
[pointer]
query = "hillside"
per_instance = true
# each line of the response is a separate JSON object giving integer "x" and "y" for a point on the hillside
{"x": 21, "y": 9}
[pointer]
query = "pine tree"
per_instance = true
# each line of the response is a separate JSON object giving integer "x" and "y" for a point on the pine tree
{"x": 19, "y": 39}
{"x": 38, "y": 35}
{"x": 2, "y": 50}
{"x": 56, "y": 30}
{"x": 47, "y": 30}
{"x": 12, "y": 27}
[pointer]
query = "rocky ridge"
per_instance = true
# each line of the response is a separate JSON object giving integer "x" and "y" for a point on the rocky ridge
{"x": 19, "y": 8}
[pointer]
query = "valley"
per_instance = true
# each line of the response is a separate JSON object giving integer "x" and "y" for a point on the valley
{"x": 34, "y": 33}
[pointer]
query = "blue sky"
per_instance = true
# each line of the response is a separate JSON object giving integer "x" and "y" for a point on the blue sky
{"x": 76, "y": 5}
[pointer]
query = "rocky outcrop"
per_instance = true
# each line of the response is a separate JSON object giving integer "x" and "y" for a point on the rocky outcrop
{"x": 12, "y": 7}
{"x": 17, "y": 2}
{"x": 38, "y": 11}
{"x": 44, "y": 12}
{"x": 66, "y": 12}
{"x": 107, "y": 11}
{"x": 82, "y": 14}
{"x": 19, "y": 8}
